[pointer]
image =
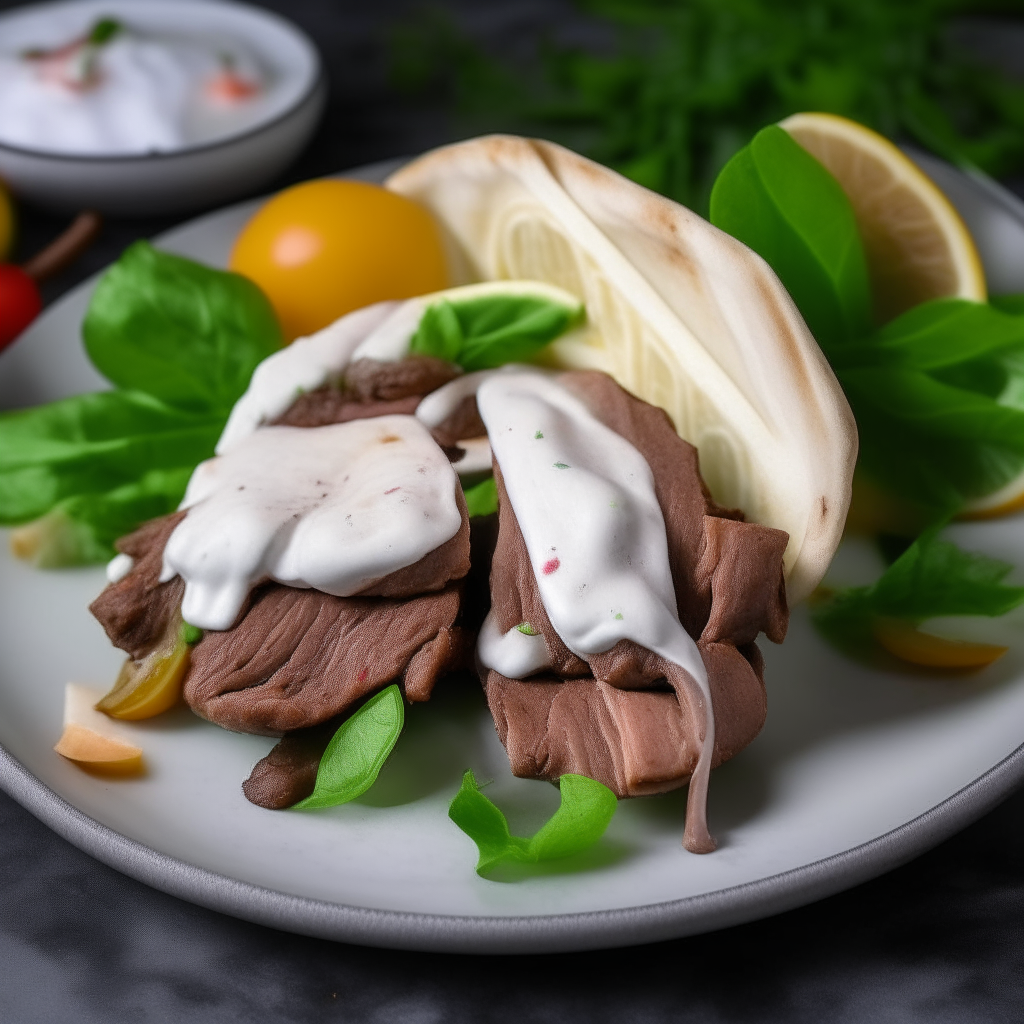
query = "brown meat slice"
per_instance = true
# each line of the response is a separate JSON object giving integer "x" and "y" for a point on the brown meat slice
{"x": 464, "y": 422}
{"x": 627, "y": 717}
{"x": 288, "y": 773}
{"x": 300, "y": 657}
{"x": 368, "y": 389}
{"x": 135, "y": 611}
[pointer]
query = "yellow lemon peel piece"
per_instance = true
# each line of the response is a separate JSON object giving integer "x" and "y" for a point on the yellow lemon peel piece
{"x": 905, "y": 641}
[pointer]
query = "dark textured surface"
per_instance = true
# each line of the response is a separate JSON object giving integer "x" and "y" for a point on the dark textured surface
{"x": 938, "y": 940}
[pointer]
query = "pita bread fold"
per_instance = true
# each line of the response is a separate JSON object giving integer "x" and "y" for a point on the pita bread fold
{"x": 679, "y": 313}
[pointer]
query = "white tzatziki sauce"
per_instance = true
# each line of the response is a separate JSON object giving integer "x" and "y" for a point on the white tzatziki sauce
{"x": 305, "y": 364}
{"x": 585, "y": 501}
{"x": 135, "y": 92}
{"x": 334, "y": 508}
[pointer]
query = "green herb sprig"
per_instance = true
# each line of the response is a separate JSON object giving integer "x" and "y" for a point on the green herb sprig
{"x": 686, "y": 83}
{"x": 586, "y": 809}
{"x": 931, "y": 578}
{"x": 487, "y": 331}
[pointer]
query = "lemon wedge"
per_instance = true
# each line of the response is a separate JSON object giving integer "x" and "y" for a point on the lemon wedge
{"x": 679, "y": 313}
{"x": 917, "y": 246}
{"x": 906, "y": 642}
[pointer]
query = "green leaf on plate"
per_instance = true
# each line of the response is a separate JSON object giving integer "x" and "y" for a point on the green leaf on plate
{"x": 358, "y": 750}
{"x": 82, "y": 529}
{"x": 931, "y": 578}
{"x": 1008, "y": 303}
{"x": 93, "y": 444}
{"x": 181, "y": 341}
{"x": 938, "y": 394}
{"x": 586, "y": 809}
{"x": 781, "y": 202}
{"x": 185, "y": 333}
{"x": 509, "y": 324}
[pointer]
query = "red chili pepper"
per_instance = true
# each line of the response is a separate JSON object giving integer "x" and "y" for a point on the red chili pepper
{"x": 20, "y": 302}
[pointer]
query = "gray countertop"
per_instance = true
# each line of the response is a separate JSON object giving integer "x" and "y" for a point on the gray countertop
{"x": 939, "y": 939}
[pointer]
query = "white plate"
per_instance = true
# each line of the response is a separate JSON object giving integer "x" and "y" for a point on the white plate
{"x": 855, "y": 771}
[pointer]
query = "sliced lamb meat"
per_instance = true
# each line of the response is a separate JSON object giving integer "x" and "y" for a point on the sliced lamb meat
{"x": 370, "y": 388}
{"x": 464, "y": 422}
{"x": 627, "y": 717}
{"x": 299, "y": 657}
{"x": 136, "y": 610}
{"x": 373, "y": 381}
{"x": 288, "y": 773}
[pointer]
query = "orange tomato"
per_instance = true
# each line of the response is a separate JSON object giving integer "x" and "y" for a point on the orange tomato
{"x": 326, "y": 247}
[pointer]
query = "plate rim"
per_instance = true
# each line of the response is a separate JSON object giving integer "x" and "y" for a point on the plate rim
{"x": 525, "y": 934}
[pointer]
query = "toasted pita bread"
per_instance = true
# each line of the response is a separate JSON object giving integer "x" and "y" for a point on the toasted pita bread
{"x": 679, "y": 313}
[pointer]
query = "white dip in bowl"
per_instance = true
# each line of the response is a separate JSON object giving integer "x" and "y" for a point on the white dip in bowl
{"x": 138, "y": 107}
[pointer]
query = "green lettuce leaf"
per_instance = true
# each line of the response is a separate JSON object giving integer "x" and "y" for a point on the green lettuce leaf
{"x": 1008, "y": 303}
{"x": 581, "y": 819}
{"x": 935, "y": 337}
{"x": 184, "y": 333}
{"x": 938, "y": 394}
{"x": 931, "y": 578}
{"x": 482, "y": 499}
{"x": 358, "y": 750}
{"x": 781, "y": 202}
{"x": 93, "y": 444}
{"x": 487, "y": 331}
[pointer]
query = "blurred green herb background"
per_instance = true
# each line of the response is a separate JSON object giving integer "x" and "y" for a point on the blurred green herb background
{"x": 683, "y": 84}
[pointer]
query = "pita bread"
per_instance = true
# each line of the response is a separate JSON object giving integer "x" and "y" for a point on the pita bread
{"x": 679, "y": 313}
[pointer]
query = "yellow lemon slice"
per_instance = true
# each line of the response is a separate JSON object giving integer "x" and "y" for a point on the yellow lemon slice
{"x": 917, "y": 246}
{"x": 678, "y": 312}
{"x": 907, "y": 642}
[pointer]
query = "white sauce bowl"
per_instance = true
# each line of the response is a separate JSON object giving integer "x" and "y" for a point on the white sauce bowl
{"x": 194, "y": 176}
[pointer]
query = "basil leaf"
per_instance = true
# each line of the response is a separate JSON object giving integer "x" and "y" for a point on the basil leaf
{"x": 186, "y": 334}
{"x": 933, "y": 336}
{"x": 586, "y": 809}
{"x": 1007, "y": 303}
{"x": 91, "y": 444}
{"x": 938, "y": 395}
{"x": 358, "y": 750}
{"x": 482, "y": 499}
{"x": 931, "y": 578}
{"x": 487, "y": 331}
{"x": 781, "y": 202}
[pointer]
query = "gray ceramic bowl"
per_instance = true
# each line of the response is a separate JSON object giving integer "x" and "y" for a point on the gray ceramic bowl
{"x": 196, "y": 176}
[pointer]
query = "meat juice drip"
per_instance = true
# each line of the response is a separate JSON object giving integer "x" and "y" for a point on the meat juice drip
{"x": 585, "y": 501}
{"x": 334, "y": 508}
